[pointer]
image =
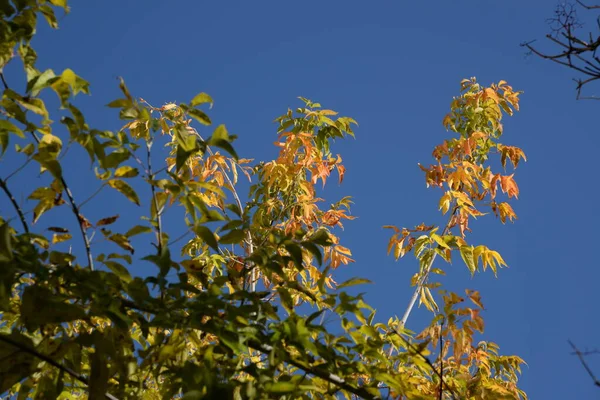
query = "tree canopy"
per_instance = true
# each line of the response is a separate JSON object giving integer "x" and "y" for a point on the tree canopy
{"x": 234, "y": 305}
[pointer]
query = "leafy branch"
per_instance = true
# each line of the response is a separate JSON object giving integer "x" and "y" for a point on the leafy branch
{"x": 80, "y": 220}
{"x": 26, "y": 349}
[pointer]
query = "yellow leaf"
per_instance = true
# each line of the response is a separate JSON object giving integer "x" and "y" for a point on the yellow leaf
{"x": 60, "y": 237}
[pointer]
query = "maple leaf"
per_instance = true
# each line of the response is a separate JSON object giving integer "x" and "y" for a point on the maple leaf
{"x": 509, "y": 186}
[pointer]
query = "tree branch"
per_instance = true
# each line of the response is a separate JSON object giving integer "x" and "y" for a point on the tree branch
{"x": 154, "y": 200}
{"x": 15, "y": 204}
{"x": 50, "y": 361}
{"x": 80, "y": 220}
{"x": 576, "y": 53}
{"x": 585, "y": 365}
{"x": 424, "y": 277}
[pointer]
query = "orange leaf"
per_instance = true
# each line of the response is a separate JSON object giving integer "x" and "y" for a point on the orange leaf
{"x": 509, "y": 186}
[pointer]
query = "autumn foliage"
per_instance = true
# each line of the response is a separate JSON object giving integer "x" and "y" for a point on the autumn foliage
{"x": 242, "y": 301}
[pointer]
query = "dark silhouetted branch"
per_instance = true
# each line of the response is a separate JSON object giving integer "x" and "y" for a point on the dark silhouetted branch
{"x": 575, "y": 51}
{"x": 581, "y": 357}
{"x": 15, "y": 204}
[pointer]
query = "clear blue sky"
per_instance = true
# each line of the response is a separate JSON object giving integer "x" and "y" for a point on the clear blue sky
{"x": 394, "y": 67}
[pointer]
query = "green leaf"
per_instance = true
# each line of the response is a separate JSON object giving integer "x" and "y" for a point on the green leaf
{"x": 353, "y": 282}
{"x": 138, "y": 290}
{"x": 315, "y": 251}
{"x": 201, "y": 98}
{"x": 138, "y": 229}
{"x": 10, "y": 127}
{"x": 234, "y": 236}
{"x": 234, "y": 208}
{"x": 220, "y": 138}
{"x": 40, "y": 306}
{"x": 126, "y": 172}
{"x": 122, "y": 241}
{"x": 118, "y": 269}
{"x": 295, "y": 252}
{"x": 321, "y": 237}
{"x": 99, "y": 376}
{"x": 207, "y": 235}
{"x": 439, "y": 240}
{"x": 282, "y": 387}
{"x": 221, "y": 133}
{"x": 125, "y": 189}
{"x": 466, "y": 252}
{"x": 16, "y": 365}
{"x": 49, "y": 147}
{"x": 199, "y": 116}
{"x": 120, "y": 103}
{"x": 6, "y": 250}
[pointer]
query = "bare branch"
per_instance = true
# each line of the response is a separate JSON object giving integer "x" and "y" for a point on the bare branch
{"x": 154, "y": 199}
{"x": 576, "y": 53}
{"x": 15, "y": 204}
{"x": 580, "y": 355}
{"x": 588, "y": 7}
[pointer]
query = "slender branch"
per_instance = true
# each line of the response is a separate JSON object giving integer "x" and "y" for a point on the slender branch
{"x": 158, "y": 212}
{"x": 441, "y": 360}
{"x": 585, "y": 365}
{"x": 178, "y": 238}
{"x": 3, "y": 80}
{"x": 586, "y": 6}
{"x": 17, "y": 170}
{"x": 15, "y": 204}
{"x": 35, "y": 353}
{"x": 92, "y": 196}
{"x": 424, "y": 277}
{"x": 75, "y": 208}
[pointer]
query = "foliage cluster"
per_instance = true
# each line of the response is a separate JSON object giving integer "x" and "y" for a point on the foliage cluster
{"x": 234, "y": 307}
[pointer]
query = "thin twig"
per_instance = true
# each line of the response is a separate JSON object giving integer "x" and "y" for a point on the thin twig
{"x": 424, "y": 277}
{"x": 441, "y": 360}
{"x": 50, "y": 361}
{"x": 586, "y": 6}
{"x": 17, "y": 170}
{"x": 78, "y": 215}
{"x": 15, "y": 204}
{"x": 585, "y": 365}
{"x": 158, "y": 212}
{"x": 92, "y": 196}
{"x": 3, "y": 80}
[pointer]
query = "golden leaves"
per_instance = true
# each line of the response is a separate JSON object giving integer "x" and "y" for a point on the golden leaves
{"x": 504, "y": 211}
{"x": 509, "y": 186}
{"x": 514, "y": 154}
{"x": 338, "y": 255}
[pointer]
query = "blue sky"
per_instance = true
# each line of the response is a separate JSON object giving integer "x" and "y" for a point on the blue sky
{"x": 394, "y": 67}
